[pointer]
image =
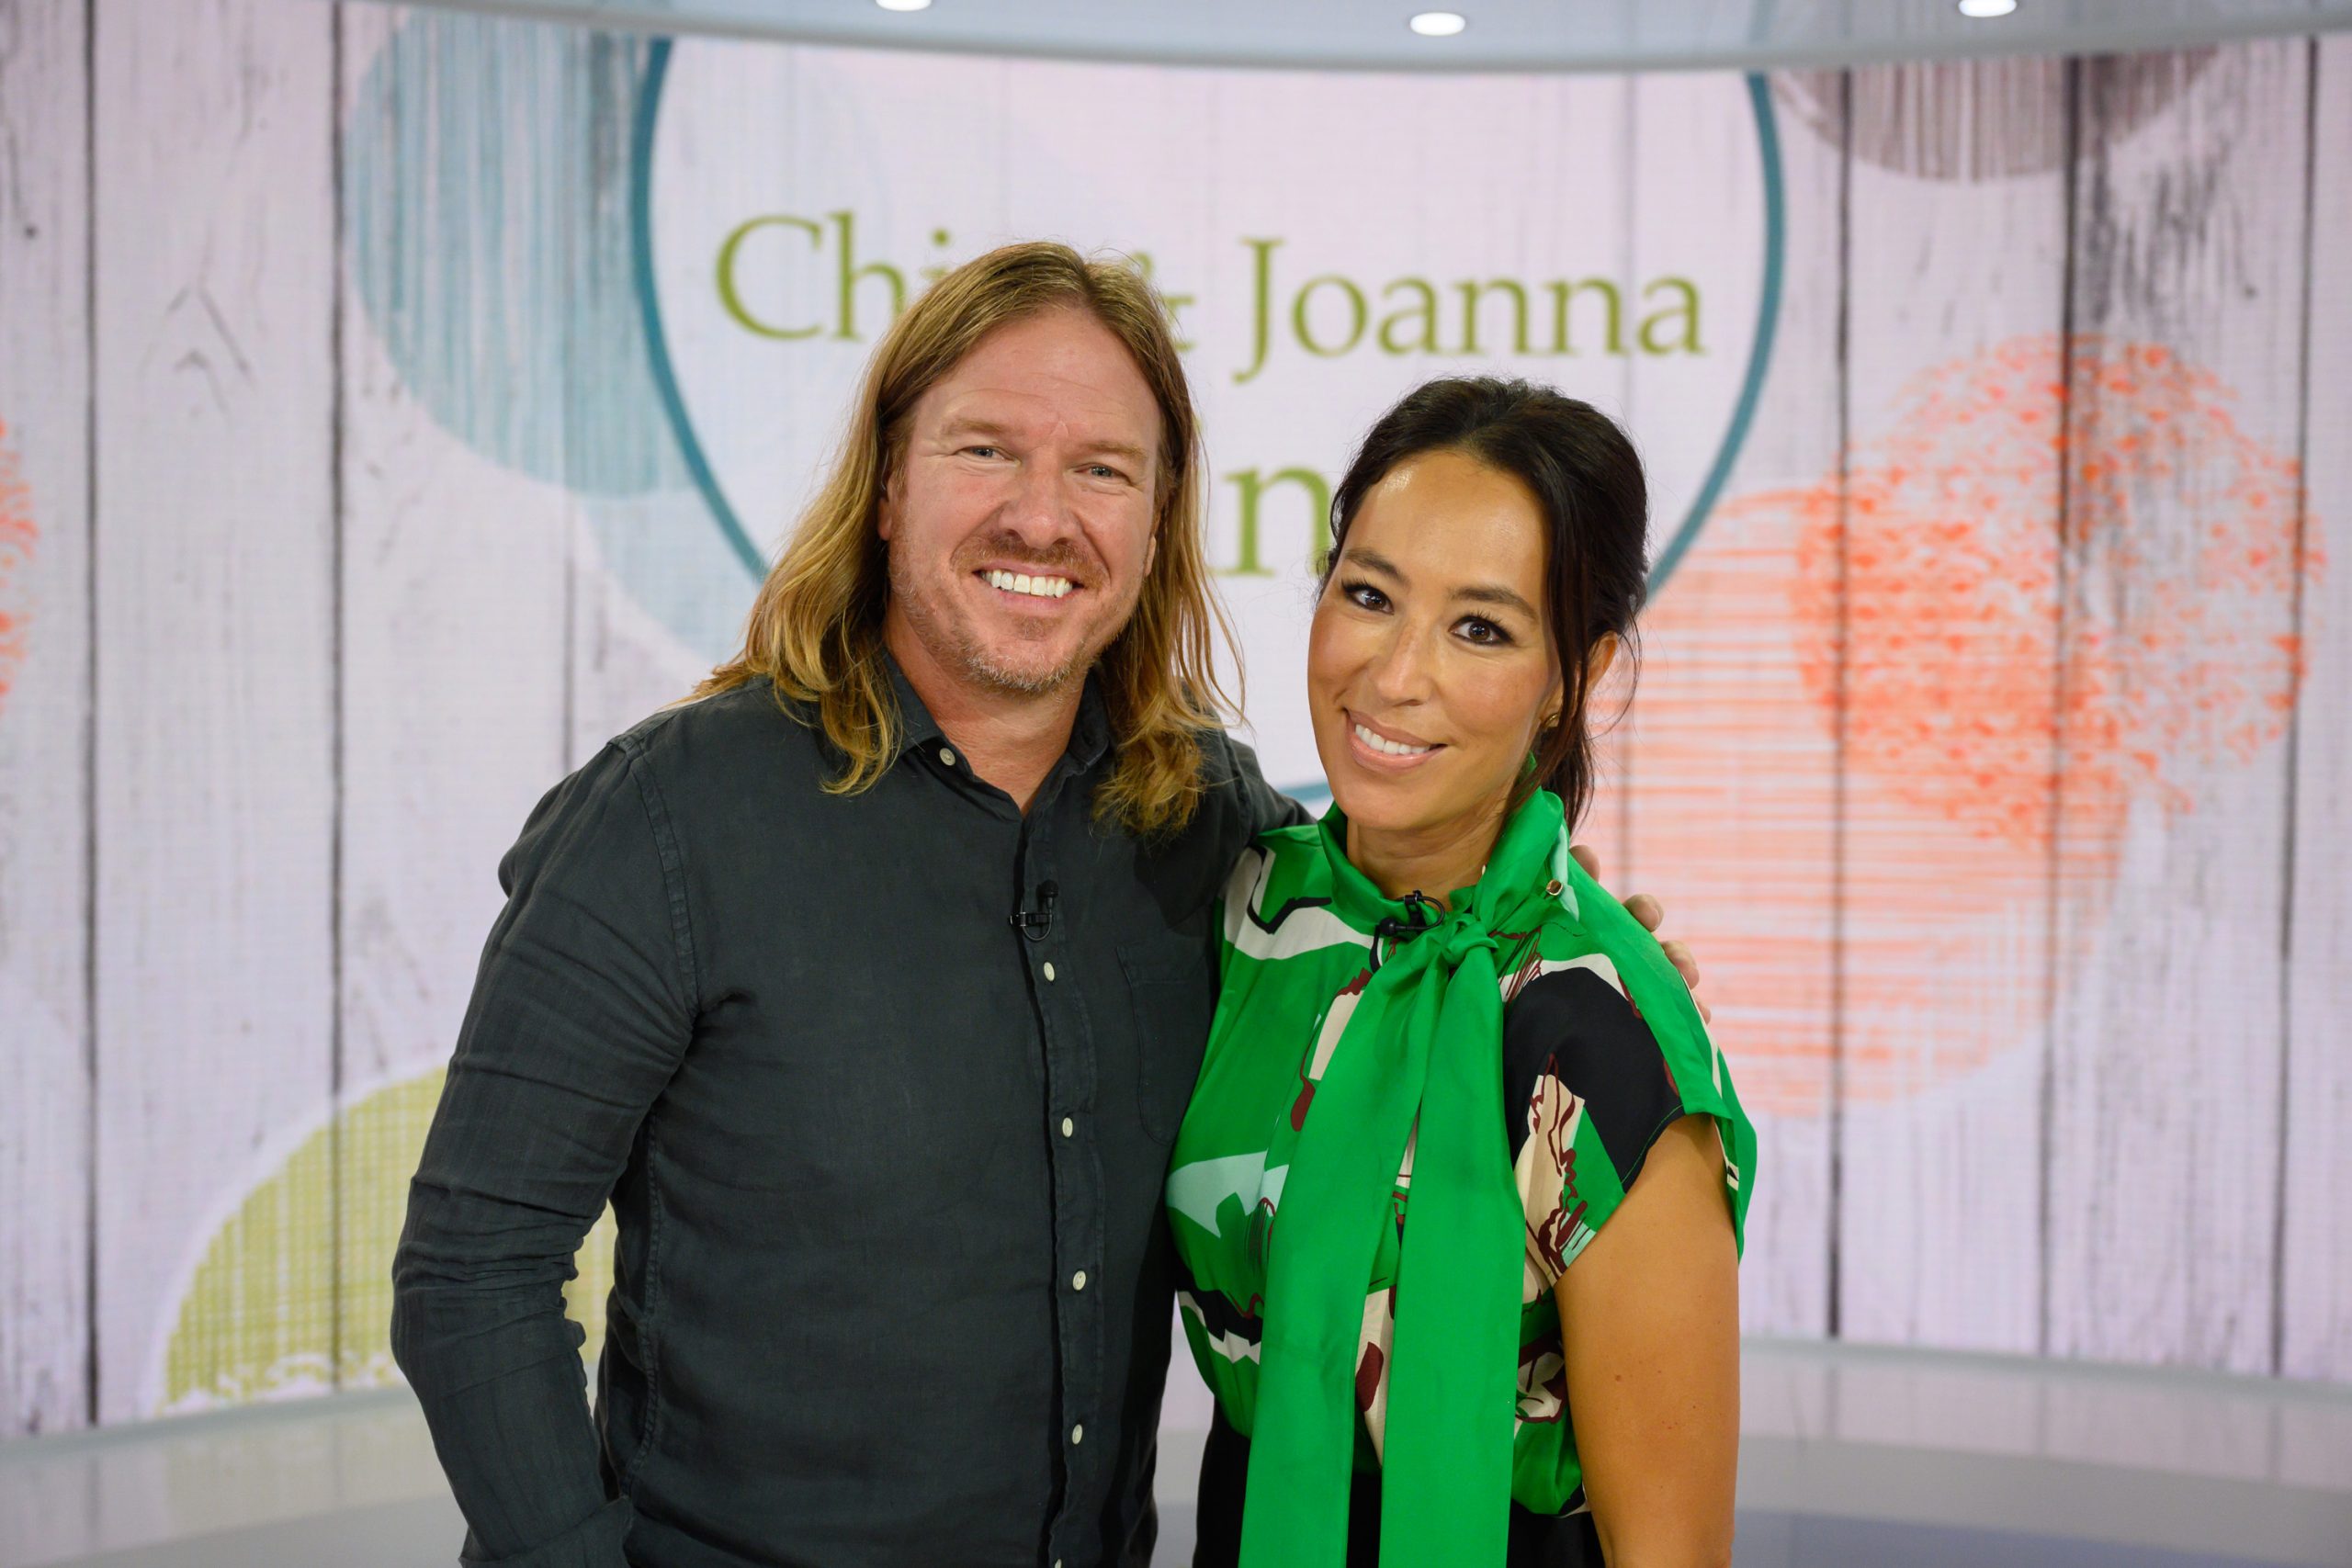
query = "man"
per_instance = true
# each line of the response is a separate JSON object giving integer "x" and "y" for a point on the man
{"x": 870, "y": 987}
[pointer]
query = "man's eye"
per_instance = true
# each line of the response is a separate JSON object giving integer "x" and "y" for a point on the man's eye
{"x": 983, "y": 451}
{"x": 1104, "y": 471}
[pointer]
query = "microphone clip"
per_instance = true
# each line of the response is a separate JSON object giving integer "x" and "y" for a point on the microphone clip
{"x": 1394, "y": 929}
{"x": 1035, "y": 923}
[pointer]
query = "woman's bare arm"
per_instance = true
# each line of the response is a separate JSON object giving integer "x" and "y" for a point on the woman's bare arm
{"x": 1649, "y": 1316}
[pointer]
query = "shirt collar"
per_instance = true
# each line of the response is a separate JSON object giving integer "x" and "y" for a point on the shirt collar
{"x": 1089, "y": 735}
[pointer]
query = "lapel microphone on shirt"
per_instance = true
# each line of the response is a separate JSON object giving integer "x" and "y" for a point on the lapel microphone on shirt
{"x": 1033, "y": 923}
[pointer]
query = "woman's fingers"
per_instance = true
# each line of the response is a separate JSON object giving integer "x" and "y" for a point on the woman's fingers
{"x": 1679, "y": 954}
{"x": 1652, "y": 914}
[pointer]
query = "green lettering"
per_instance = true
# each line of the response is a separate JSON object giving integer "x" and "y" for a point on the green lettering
{"x": 1357, "y": 312}
{"x": 852, "y": 274}
{"x": 1473, "y": 292}
{"x": 1687, "y": 310}
{"x": 731, "y": 301}
{"x": 1253, "y": 486}
{"x": 1425, "y": 340}
{"x": 1261, "y": 290}
{"x": 1173, "y": 303}
{"x": 1561, "y": 293}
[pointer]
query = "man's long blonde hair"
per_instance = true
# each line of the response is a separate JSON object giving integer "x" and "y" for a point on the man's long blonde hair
{"x": 816, "y": 628}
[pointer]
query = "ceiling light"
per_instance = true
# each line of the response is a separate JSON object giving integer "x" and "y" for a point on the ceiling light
{"x": 904, "y": 5}
{"x": 1437, "y": 24}
{"x": 1985, "y": 9}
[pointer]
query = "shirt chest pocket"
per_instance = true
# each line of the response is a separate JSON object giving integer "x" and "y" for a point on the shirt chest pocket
{"x": 1171, "y": 994}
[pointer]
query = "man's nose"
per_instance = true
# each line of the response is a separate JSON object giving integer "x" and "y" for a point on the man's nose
{"x": 1040, "y": 509}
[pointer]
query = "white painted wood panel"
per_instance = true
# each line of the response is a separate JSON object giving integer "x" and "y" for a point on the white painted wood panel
{"x": 452, "y": 606}
{"x": 215, "y": 695}
{"x": 2315, "y": 1322}
{"x": 2187, "y": 287}
{"x": 1956, "y": 276}
{"x": 44, "y": 718}
{"x": 1730, "y": 757}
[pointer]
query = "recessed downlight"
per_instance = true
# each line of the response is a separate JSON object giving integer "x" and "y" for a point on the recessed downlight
{"x": 1437, "y": 24}
{"x": 1984, "y": 10}
{"x": 904, "y": 5}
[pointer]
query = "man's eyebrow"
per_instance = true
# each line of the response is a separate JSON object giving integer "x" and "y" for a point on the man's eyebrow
{"x": 1128, "y": 449}
{"x": 977, "y": 425}
{"x": 970, "y": 425}
{"x": 1475, "y": 593}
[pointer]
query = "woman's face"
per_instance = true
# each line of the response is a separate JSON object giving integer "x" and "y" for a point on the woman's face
{"x": 1430, "y": 668}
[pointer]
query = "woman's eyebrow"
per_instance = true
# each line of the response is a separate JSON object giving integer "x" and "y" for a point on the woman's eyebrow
{"x": 1373, "y": 560}
{"x": 1496, "y": 593}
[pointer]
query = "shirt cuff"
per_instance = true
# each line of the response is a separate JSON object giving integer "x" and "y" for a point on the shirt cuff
{"x": 597, "y": 1543}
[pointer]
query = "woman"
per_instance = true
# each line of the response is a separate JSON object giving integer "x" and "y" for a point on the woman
{"x": 1536, "y": 1362}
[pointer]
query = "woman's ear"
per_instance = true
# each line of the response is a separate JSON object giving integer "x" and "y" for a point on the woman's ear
{"x": 1596, "y": 662}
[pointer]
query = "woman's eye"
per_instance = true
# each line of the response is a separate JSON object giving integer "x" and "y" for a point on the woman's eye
{"x": 1485, "y": 633}
{"x": 1365, "y": 595}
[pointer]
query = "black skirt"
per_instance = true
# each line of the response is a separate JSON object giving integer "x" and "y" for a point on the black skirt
{"x": 1537, "y": 1541}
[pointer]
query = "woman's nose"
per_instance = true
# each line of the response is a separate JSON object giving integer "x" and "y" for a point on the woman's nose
{"x": 1400, "y": 673}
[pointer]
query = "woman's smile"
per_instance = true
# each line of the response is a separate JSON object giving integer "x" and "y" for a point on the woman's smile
{"x": 1384, "y": 746}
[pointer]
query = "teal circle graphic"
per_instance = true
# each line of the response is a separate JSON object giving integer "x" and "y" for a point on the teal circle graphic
{"x": 730, "y": 526}
{"x": 502, "y": 288}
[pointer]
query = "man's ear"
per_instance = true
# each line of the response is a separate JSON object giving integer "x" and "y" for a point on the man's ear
{"x": 885, "y": 510}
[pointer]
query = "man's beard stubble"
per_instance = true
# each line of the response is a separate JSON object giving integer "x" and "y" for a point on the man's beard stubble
{"x": 951, "y": 640}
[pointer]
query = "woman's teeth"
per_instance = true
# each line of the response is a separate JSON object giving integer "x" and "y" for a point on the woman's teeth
{"x": 1035, "y": 587}
{"x": 1390, "y": 748}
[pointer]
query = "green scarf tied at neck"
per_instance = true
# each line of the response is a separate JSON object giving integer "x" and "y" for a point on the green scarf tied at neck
{"x": 1424, "y": 1045}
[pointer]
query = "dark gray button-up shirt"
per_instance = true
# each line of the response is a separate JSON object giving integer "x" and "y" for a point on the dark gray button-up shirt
{"x": 891, "y": 1280}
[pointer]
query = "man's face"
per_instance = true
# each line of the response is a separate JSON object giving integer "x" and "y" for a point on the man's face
{"x": 1019, "y": 519}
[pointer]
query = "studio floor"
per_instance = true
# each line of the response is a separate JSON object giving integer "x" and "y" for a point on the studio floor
{"x": 1852, "y": 1456}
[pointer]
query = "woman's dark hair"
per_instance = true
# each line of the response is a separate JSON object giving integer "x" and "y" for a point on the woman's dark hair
{"x": 1587, "y": 479}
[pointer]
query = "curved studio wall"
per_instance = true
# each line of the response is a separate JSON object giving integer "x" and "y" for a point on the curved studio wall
{"x": 393, "y": 405}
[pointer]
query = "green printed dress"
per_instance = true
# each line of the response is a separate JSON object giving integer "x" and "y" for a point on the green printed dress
{"x": 1541, "y": 1038}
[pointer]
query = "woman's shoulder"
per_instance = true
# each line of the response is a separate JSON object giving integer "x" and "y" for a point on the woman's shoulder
{"x": 1574, "y": 1036}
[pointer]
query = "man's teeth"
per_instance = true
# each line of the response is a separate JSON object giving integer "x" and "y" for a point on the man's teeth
{"x": 1393, "y": 747}
{"x": 1035, "y": 587}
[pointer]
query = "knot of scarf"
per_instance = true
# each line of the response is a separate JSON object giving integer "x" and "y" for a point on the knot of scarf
{"x": 1419, "y": 1064}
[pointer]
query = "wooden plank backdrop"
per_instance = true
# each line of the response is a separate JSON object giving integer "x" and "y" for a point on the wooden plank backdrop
{"x": 1955, "y": 303}
{"x": 2315, "y": 1246}
{"x": 455, "y": 688}
{"x": 214, "y": 523}
{"x": 1970, "y": 748}
{"x": 2184, "y": 375}
{"x": 44, "y": 719}
{"x": 1726, "y": 793}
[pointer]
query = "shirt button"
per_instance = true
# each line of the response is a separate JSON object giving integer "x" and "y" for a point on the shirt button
{"x": 1049, "y": 974}
{"x": 947, "y": 756}
{"x": 1069, "y": 1126}
{"x": 1077, "y": 1281}
{"x": 1077, "y": 1435}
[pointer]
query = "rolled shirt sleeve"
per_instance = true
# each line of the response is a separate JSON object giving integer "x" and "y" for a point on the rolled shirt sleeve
{"x": 581, "y": 1010}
